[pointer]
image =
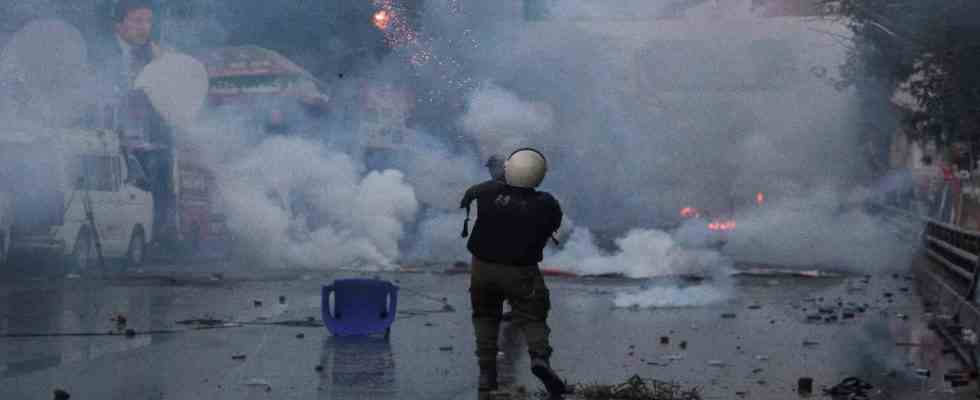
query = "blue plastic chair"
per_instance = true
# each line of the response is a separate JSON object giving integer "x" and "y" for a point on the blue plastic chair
{"x": 361, "y": 306}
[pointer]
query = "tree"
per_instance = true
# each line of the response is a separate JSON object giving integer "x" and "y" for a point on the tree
{"x": 933, "y": 46}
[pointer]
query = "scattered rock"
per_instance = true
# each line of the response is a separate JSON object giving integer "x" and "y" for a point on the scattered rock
{"x": 61, "y": 395}
{"x": 804, "y": 385}
{"x": 852, "y": 387}
{"x": 260, "y": 383}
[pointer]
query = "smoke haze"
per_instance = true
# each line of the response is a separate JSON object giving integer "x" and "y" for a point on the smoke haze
{"x": 641, "y": 107}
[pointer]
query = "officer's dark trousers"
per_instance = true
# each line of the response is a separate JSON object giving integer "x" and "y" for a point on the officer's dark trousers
{"x": 523, "y": 287}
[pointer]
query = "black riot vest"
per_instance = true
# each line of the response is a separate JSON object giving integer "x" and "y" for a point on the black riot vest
{"x": 513, "y": 224}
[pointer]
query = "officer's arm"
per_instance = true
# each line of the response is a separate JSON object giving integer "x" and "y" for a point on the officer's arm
{"x": 558, "y": 215}
{"x": 468, "y": 197}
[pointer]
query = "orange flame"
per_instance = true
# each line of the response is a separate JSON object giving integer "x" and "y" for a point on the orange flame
{"x": 382, "y": 18}
{"x": 689, "y": 212}
{"x": 726, "y": 225}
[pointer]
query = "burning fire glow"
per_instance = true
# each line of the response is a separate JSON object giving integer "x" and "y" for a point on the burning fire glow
{"x": 689, "y": 212}
{"x": 382, "y": 18}
{"x": 725, "y": 225}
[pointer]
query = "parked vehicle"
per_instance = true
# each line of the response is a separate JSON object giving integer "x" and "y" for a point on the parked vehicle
{"x": 73, "y": 194}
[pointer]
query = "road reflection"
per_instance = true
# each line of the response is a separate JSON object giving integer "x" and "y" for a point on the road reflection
{"x": 360, "y": 367}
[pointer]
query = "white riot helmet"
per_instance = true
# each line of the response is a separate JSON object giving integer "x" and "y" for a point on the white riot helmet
{"x": 525, "y": 168}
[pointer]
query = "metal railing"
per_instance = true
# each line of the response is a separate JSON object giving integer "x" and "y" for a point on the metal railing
{"x": 955, "y": 249}
{"x": 948, "y": 284}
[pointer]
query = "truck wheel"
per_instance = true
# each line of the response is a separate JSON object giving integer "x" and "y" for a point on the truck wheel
{"x": 83, "y": 257}
{"x": 137, "y": 248}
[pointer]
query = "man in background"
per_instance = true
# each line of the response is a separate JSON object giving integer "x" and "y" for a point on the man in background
{"x": 118, "y": 59}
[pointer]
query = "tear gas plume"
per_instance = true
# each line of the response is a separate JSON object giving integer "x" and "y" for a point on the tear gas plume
{"x": 311, "y": 207}
{"x": 672, "y": 295}
{"x": 822, "y": 229}
{"x": 641, "y": 253}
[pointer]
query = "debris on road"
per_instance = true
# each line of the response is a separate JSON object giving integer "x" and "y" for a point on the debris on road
{"x": 636, "y": 388}
{"x": 852, "y": 387}
{"x": 259, "y": 383}
{"x": 804, "y": 385}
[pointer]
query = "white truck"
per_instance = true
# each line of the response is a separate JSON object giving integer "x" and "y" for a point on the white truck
{"x": 71, "y": 194}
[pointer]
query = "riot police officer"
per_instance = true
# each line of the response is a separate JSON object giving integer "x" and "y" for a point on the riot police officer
{"x": 513, "y": 225}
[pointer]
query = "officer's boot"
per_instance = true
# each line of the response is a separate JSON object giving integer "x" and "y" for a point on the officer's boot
{"x": 488, "y": 376}
{"x": 552, "y": 382}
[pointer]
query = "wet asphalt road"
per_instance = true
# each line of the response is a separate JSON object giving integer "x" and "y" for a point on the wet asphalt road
{"x": 430, "y": 352}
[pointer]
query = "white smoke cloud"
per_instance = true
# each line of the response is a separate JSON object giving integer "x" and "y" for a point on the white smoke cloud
{"x": 824, "y": 229}
{"x": 672, "y": 296}
{"x": 501, "y": 122}
{"x": 642, "y": 253}
{"x": 302, "y": 204}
